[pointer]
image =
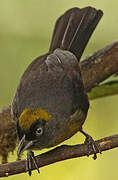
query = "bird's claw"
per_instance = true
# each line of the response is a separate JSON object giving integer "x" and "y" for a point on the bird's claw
{"x": 90, "y": 142}
{"x": 31, "y": 159}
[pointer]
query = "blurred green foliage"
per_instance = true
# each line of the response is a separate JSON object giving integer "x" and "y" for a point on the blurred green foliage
{"x": 25, "y": 32}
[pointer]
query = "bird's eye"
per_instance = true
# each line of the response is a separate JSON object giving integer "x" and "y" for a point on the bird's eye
{"x": 39, "y": 131}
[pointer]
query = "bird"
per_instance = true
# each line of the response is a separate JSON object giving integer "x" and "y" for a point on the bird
{"x": 50, "y": 104}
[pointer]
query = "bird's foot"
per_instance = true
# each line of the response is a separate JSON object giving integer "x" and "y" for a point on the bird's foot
{"x": 31, "y": 159}
{"x": 91, "y": 143}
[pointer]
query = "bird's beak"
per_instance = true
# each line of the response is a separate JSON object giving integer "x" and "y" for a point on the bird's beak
{"x": 24, "y": 145}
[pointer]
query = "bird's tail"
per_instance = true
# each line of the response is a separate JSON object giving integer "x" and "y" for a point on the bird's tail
{"x": 74, "y": 28}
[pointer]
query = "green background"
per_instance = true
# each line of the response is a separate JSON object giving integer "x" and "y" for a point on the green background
{"x": 25, "y": 32}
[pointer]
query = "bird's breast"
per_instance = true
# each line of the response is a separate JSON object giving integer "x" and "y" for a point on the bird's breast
{"x": 73, "y": 125}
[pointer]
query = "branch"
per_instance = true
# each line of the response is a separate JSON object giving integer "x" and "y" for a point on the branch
{"x": 100, "y": 66}
{"x": 107, "y": 89}
{"x": 58, "y": 154}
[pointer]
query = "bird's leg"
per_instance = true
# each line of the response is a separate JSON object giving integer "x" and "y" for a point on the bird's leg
{"x": 31, "y": 159}
{"x": 90, "y": 142}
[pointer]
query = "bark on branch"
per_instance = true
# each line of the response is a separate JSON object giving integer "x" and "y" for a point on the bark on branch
{"x": 99, "y": 66}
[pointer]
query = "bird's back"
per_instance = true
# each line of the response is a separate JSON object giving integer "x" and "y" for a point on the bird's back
{"x": 49, "y": 83}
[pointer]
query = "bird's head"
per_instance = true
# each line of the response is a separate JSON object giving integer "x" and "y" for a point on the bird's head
{"x": 33, "y": 129}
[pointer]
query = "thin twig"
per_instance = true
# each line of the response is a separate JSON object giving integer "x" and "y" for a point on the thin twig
{"x": 107, "y": 89}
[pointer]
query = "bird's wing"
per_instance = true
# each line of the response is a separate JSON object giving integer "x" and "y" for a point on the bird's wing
{"x": 52, "y": 82}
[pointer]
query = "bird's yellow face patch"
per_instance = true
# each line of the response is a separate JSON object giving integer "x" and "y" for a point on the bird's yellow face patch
{"x": 28, "y": 116}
